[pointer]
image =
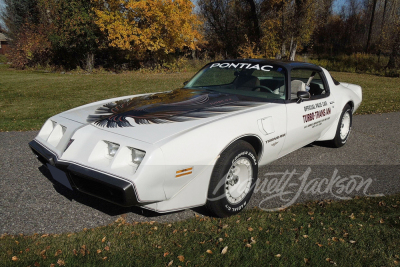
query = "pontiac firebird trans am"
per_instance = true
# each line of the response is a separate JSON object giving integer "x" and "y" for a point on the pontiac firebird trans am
{"x": 200, "y": 144}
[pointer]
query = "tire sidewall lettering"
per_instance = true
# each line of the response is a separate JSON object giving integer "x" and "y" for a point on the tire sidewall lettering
{"x": 246, "y": 153}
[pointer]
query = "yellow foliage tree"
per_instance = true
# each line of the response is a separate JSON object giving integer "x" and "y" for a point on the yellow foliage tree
{"x": 148, "y": 26}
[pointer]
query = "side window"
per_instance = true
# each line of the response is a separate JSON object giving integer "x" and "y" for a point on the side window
{"x": 272, "y": 82}
{"x": 307, "y": 80}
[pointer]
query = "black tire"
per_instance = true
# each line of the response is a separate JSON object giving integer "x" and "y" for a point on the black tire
{"x": 236, "y": 169}
{"x": 345, "y": 118}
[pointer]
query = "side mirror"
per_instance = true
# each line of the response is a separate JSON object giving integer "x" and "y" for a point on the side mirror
{"x": 301, "y": 95}
{"x": 186, "y": 82}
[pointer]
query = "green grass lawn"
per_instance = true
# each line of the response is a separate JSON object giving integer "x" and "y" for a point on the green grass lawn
{"x": 28, "y": 98}
{"x": 358, "y": 232}
{"x": 380, "y": 94}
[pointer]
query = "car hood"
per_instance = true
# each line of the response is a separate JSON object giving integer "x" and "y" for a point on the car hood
{"x": 153, "y": 117}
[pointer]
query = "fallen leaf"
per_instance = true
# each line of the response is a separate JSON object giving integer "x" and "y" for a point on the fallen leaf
{"x": 319, "y": 245}
{"x": 60, "y": 262}
{"x": 209, "y": 251}
{"x": 220, "y": 239}
{"x": 224, "y": 250}
{"x": 328, "y": 259}
{"x": 14, "y": 258}
{"x": 248, "y": 245}
{"x": 306, "y": 260}
{"x": 104, "y": 258}
{"x": 305, "y": 236}
{"x": 175, "y": 231}
{"x": 335, "y": 239}
{"x": 249, "y": 219}
{"x": 107, "y": 248}
{"x": 166, "y": 254}
{"x": 103, "y": 240}
{"x": 310, "y": 212}
{"x": 75, "y": 252}
{"x": 381, "y": 221}
{"x": 170, "y": 263}
{"x": 250, "y": 229}
{"x": 58, "y": 252}
{"x": 352, "y": 216}
{"x": 16, "y": 242}
{"x": 253, "y": 241}
{"x": 98, "y": 251}
{"x": 181, "y": 258}
{"x": 352, "y": 241}
{"x": 45, "y": 235}
{"x": 278, "y": 255}
{"x": 52, "y": 265}
{"x": 36, "y": 264}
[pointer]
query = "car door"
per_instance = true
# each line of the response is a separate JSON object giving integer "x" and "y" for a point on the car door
{"x": 307, "y": 119}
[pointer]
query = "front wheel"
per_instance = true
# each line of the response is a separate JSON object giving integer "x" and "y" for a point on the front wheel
{"x": 344, "y": 127}
{"x": 233, "y": 179}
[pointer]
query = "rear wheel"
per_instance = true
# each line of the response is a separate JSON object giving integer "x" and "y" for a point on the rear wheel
{"x": 344, "y": 127}
{"x": 233, "y": 179}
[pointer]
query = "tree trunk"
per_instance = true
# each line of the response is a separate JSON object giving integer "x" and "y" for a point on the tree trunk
{"x": 370, "y": 26}
{"x": 256, "y": 27}
{"x": 293, "y": 48}
{"x": 89, "y": 64}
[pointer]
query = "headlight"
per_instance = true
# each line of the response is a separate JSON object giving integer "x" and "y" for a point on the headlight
{"x": 137, "y": 155}
{"x": 112, "y": 148}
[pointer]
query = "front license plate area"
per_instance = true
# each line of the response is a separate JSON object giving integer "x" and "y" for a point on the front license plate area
{"x": 59, "y": 176}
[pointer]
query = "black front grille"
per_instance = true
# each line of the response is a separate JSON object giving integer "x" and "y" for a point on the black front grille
{"x": 98, "y": 189}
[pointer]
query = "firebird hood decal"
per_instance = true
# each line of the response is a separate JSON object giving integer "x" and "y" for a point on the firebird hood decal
{"x": 175, "y": 106}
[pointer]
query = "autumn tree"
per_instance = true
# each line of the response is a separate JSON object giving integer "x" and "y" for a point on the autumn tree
{"x": 231, "y": 25}
{"x": 148, "y": 29}
{"x": 72, "y": 31}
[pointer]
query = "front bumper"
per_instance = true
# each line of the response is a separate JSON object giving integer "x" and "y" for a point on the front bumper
{"x": 89, "y": 181}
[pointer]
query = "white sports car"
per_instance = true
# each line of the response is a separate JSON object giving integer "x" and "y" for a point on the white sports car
{"x": 200, "y": 144}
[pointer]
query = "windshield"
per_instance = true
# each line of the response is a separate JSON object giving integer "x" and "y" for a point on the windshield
{"x": 249, "y": 79}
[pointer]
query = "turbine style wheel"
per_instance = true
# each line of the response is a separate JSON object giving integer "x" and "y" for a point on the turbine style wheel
{"x": 344, "y": 127}
{"x": 233, "y": 180}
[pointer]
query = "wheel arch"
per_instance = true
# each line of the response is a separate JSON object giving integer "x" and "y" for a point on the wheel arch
{"x": 351, "y": 104}
{"x": 254, "y": 140}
